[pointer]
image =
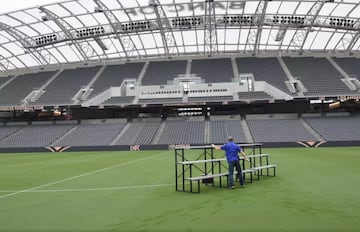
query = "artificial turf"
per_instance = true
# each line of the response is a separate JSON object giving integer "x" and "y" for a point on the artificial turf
{"x": 316, "y": 189}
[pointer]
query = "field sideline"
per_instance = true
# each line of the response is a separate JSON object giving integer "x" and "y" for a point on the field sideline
{"x": 316, "y": 189}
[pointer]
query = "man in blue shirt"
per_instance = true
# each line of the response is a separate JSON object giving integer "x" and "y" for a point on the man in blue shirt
{"x": 231, "y": 151}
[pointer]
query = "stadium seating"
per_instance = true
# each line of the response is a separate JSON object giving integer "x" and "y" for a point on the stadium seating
{"x": 264, "y": 69}
{"x": 254, "y": 95}
{"x": 336, "y": 128}
{"x": 350, "y": 65}
{"x": 5, "y": 131}
{"x": 91, "y": 135}
{"x": 139, "y": 133}
{"x": 158, "y": 73}
{"x": 159, "y": 100}
{"x": 183, "y": 132}
{"x": 113, "y": 76}
{"x": 211, "y": 99}
{"x": 3, "y": 80}
{"x": 13, "y": 93}
{"x": 221, "y": 129}
{"x": 279, "y": 130}
{"x": 35, "y": 135}
{"x": 213, "y": 70}
{"x": 318, "y": 76}
{"x": 65, "y": 86}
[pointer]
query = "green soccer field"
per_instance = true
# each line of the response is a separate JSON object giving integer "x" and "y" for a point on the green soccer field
{"x": 316, "y": 189}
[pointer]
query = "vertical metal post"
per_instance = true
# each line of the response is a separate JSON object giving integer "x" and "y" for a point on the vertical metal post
{"x": 211, "y": 41}
{"x": 191, "y": 182}
{"x": 183, "y": 169}
{"x": 176, "y": 170}
{"x": 205, "y": 162}
{"x": 165, "y": 28}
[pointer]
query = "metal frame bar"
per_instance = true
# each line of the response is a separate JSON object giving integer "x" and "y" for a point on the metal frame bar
{"x": 211, "y": 45}
{"x": 65, "y": 27}
{"x": 133, "y": 44}
{"x": 166, "y": 31}
{"x": 22, "y": 39}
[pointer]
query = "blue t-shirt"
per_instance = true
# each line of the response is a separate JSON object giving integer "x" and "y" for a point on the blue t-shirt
{"x": 231, "y": 151}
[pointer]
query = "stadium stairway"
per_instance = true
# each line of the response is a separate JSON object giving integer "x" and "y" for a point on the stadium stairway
{"x": 159, "y": 133}
{"x": 81, "y": 95}
{"x": 247, "y": 131}
{"x": 14, "y": 133}
{"x": 122, "y": 132}
{"x": 42, "y": 89}
{"x": 64, "y": 135}
{"x": 310, "y": 130}
{"x": 207, "y": 132}
{"x": 346, "y": 77}
{"x": 142, "y": 73}
{"x": 7, "y": 82}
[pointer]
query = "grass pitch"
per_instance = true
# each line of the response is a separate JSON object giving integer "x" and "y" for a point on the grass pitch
{"x": 314, "y": 190}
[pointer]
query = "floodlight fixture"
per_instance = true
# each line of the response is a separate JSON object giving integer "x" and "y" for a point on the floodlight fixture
{"x": 98, "y": 10}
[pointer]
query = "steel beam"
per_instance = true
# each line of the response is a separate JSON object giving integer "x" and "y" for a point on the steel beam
{"x": 24, "y": 41}
{"x": 301, "y": 36}
{"x": 65, "y": 27}
{"x": 125, "y": 41}
{"x": 165, "y": 28}
{"x": 210, "y": 38}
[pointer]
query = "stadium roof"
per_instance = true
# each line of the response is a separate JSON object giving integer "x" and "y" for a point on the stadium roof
{"x": 86, "y": 31}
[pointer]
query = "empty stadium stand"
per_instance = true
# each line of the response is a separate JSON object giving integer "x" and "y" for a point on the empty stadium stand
{"x": 211, "y": 99}
{"x": 254, "y": 95}
{"x": 6, "y": 131}
{"x": 113, "y": 75}
{"x": 61, "y": 90}
{"x": 159, "y": 100}
{"x": 264, "y": 69}
{"x": 91, "y": 135}
{"x": 350, "y": 65}
{"x": 34, "y": 136}
{"x": 318, "y": 76}
{"x": 279, "y": 130}
{"x": 221, "y": 129}
{"x": 182, "y": 132}
{"x": 336, "y": 128}
{"x": 158, "y": 73}
{"x": 76, "y": 86}
{"x": 14, "y": 92}
{"x": 139, "y": 133}
{"x": 213, "y": 70}
{"x": 3, "y": 80}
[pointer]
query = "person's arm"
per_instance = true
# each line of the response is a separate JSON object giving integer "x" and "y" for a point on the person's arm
{"x": 215, "y": 147}
{"x": 244, "y": 155}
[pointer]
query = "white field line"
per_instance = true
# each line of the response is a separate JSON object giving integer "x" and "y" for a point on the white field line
{"x": 75, "y": 177}
{"x": 92, "y": 189}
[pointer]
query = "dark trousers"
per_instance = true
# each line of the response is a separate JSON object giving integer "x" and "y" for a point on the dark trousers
{"x": 235, "y": 164}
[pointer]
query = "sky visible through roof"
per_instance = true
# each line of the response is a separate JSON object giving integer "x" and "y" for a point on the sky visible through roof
{"x": 13, "y": 5}
{"x": 24, "y": 16}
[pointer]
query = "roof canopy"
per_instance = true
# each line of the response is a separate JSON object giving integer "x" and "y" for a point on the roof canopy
{"x": 101, "y": 30}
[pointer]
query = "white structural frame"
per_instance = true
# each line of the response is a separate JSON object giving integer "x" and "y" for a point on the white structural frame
{"x": 100, "y": 31}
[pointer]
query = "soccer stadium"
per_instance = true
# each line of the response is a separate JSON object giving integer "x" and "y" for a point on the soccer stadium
{"x": 111, "y": 113}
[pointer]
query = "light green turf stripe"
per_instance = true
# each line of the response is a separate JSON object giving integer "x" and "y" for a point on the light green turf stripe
{"x": 76, "y": 177}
